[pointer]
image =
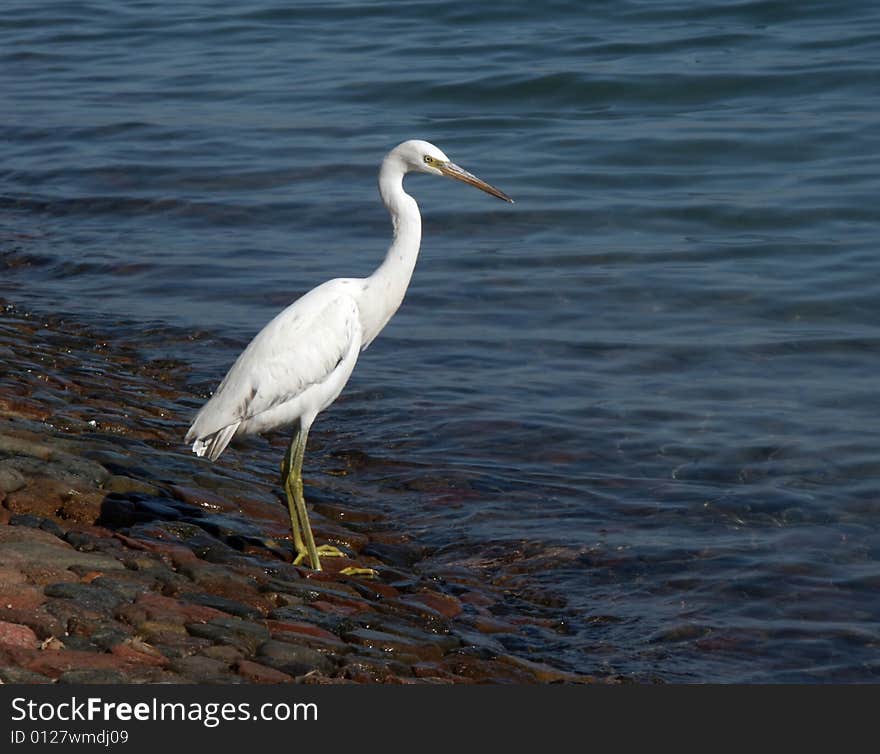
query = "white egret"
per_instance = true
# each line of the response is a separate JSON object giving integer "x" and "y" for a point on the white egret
{"x": 298, "y": 364}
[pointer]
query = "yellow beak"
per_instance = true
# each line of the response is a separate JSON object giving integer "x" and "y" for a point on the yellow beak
{"x": 452, "y": 170}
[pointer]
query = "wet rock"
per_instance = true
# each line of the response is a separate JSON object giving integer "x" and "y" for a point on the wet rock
{"x": 293, "y": 659}
{"x": 107, "y": 637}
{"x": 395, "y": 644}
{"x": 43, "y": 623}
{"x": 223, "y": 652}
{"x": 74, "y": 640}
{"x": 20, "y": 597}
{"x": 17, "y": 635}
{"x": 375, "y": 590}
{"x": 17, "y": 445}
{"x": 487, "y": 624}
{"x": 36, "y": 522}
{"x": 78, "y": 470}
{"x": 21, "y": 675}
{"x": 201, "y": 498}
{"x": 309, "y": 636}
{"x": 257, "y": 673}
{"x": 481, "y": 670}
{"x": 307, "y": 613}
{"x": 340, "y": 599}
{"x": 174, "y": 583}
{"x": 9, "y": 577}
{"x": 444, "y": 641}
{"x": 92, "y": 676}
{"x": 401, "y": 555}
{"x": 127, "y": 586}
{"x": 224, "y": 604}
{"x": 220, "y": 580}
{"x": 446, "y": 605}
{"x": 124, "y": 485}
{"x": 139, "y": 652}
{"x": 42, "y": 496}
{"x": 346, "y": 515}
{"x": 541, "y": 673}
{"x": 87, "y": 596}
{"x": 413, "y": 611}
{"x": 76, "y": 619}
{"x": 362, "y": 669}
{"x": 54, "y": 664}
{"x": 309, "y": 590}
{"x": 432, "y": 670}
{"x": 298, "y": 628}
{"x": 234, "y": 631}
{"x": 11, "y": 479}
{"x": 43, "y": 557}
{"x": 83, "y": 506}
{"x": 157, "y": 607}
{"x": 202, "y": 669}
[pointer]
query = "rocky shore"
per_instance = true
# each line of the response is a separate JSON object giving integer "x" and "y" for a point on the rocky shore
{"x": 123, "y": 559}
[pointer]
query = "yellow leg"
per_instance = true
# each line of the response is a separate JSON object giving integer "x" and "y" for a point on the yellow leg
{"x": 295, "y": 527}
{"x": 303, "y": 539}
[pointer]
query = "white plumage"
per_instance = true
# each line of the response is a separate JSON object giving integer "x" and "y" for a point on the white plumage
{"x": 299, "y": 363}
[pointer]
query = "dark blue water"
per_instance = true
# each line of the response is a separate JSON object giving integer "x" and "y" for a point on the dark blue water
{"x": 643, "y": 398}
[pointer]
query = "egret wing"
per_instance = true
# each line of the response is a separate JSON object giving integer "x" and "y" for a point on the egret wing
{"x": 301, "y": 347}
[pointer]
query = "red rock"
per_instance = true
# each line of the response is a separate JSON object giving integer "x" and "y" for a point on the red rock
{"x": 17, "y": 635}
{"x": 39, "y": 620}
{"x": 257, "y": 673}
{"x": 544, "y": 673}
{"x": 202, "y": 498}
{"x": 139, "y": 653}
{"x": 10, "y": 576}
{"x": 385, "y": 590}
{"x": 21, "y": 597}
{"x": 225, "y": 581}
{"x": 478, "y": 598}
{"x": 171, "y": 553}
{"x": 82, "y": 506}
{"x": 161, "y": 608}
{"x": 447, "y": 606}
{"x": 326, "y": 531}
{"x": 431, "y": 670}
{"x": 483, "y": 671}
{"x": 400, "y": 646}
{"x": 339, "y": 513}
{"x": 42, "y": 496}
{"x": 23, "y": 407}
{"x": 54, "y": 664}
{"x": 45, "y": 559}
{"x": 307, "y": 629}
{"x": 488, "y": 625}
{"x": 337, "y": 609}
{"x": 223, "y": 652}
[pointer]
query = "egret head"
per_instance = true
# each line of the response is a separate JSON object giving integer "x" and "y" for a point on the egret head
{"x": 423, "y": 157}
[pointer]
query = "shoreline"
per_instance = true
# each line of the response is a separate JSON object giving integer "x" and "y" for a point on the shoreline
{"x": 122, "y": 560}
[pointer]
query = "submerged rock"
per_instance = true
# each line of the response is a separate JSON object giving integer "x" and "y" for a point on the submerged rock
{"x": 125, "y": 560}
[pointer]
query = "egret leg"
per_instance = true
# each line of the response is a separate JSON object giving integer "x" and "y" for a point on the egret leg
{"x": 303, "y": 539}
{"x": 295, "y": 527}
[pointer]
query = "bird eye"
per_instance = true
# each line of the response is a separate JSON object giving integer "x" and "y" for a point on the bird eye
{"x": 429, "y": 159}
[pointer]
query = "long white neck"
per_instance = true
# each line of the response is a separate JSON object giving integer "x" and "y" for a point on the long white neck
{"x": 384, "y": 290}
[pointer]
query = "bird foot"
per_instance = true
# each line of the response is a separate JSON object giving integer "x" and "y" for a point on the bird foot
{"x": 370, "y": 573}
{"x": 327, "y": 551}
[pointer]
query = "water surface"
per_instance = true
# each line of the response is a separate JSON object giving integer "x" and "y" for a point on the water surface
{"x": 644, "y": 396}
